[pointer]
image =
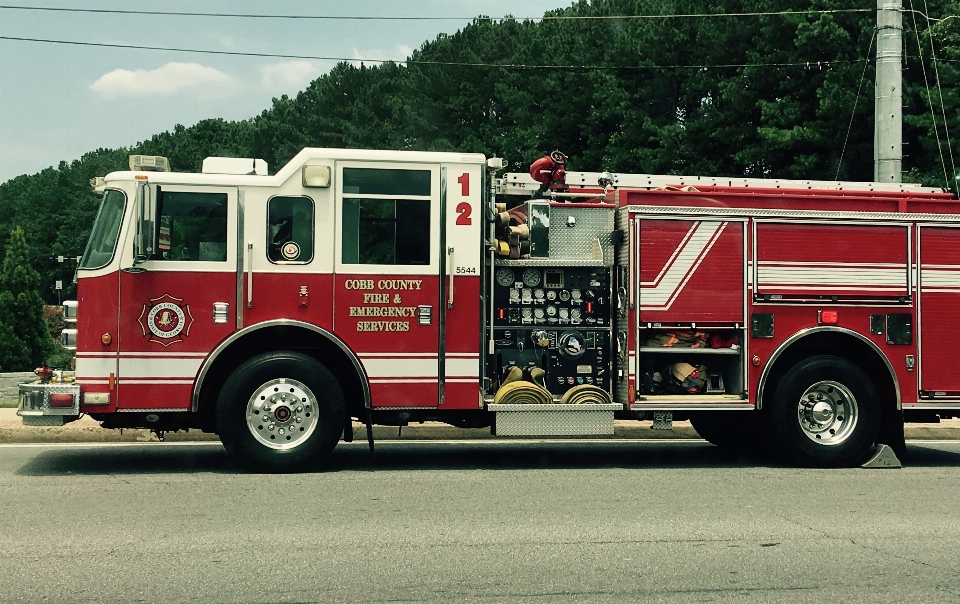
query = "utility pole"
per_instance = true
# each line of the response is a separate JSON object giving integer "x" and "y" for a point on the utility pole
{"x": 888, "y": 105}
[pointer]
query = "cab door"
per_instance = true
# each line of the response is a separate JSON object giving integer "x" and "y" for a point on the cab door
{"x": 178, "y": 304}
{"x": 387, "y": 287}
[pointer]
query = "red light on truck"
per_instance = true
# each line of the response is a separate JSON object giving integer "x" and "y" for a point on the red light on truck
{"x": 829, "y": 317}
{"x": 61, "y": 399}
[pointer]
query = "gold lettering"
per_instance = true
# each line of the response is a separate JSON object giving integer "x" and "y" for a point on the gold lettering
{"x": 383, "y": 311}
{"x": 376, "y": 298}
{"x": 358, "y": 284}
{"x": 402, "y": 284}
{"x": 383, "y": 326}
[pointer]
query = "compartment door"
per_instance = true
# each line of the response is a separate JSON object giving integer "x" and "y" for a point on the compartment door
{"x": 939, "y": 299}
{"x": 691, "y": 271}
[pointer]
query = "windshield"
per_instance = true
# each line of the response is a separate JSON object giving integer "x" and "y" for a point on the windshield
{"x": 103, "y": 239}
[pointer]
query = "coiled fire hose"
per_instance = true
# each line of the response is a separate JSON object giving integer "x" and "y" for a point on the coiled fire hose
{"x": 586, "y": 394}
{"x": 517, "y": 391}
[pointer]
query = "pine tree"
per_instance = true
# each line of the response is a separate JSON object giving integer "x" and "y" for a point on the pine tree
{"x": 23, "y": 331}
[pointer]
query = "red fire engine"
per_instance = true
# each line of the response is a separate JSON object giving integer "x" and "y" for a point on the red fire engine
{"x": 391, "y": 287}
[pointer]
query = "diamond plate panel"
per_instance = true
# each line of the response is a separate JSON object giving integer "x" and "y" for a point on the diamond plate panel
{"x": 35, "y": 400}
{"x": 573, "y": 231}
{"x": 45, "y": 420}
{"x": 554, "y": 420}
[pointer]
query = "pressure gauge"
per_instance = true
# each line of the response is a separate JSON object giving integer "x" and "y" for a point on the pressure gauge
{"x": 527, "y": 296}
{"x": 539, "y": 295}
{"x": 505, "y": 277}
{"x": 551, "y": 295}
{"x": 527, "y": 315}
{"x": 514, "y": 296}
{"x": 575, "y": 314}
{"x": 531, "y": 277}
{"x": 551, "y": 310}
{"x": 538, "y": 314}
{"x": 575, "y": 295}
{"x": 564, "y": 295}
{"x": 564, "y": 314}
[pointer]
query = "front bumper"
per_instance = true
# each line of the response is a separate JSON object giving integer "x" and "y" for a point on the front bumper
{"x": 37, "y": 408}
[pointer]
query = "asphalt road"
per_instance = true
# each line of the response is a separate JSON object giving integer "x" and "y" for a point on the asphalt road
{"x": 494, "y": 521}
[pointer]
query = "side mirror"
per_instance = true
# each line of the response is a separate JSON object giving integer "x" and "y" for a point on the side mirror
{"x": 144, "y": 244}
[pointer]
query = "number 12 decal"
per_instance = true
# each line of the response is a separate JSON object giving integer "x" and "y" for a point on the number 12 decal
{"x": 463, "y": 208}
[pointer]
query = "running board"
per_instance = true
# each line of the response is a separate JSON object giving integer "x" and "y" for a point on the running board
{"x": 554, "y": 419}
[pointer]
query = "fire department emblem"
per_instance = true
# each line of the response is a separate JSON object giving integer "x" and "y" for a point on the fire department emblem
{"x": 165, "y": 319}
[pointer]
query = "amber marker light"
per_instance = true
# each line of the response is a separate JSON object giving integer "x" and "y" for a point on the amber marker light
{"x": 105, "y": 339}
{"x": 140, "y": 176}
{"x": 829, "y": 317}
{"x": 755, "y": 360}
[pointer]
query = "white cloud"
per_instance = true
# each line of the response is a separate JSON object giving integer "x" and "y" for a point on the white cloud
{"x": 400, "y": 52}
{"x": 168, "y": 80}
{"x": 289, "y": 77}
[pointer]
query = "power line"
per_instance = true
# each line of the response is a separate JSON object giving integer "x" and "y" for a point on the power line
{"x": 806, "y": 64}
{"x": 421, "y": 18}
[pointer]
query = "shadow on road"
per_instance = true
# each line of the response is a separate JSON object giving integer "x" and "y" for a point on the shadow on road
{"x": 143, "y": 459}
{"x": 399, "y": 456}
{"x": 931, "y": 455}
{"x": 504, "y": 455}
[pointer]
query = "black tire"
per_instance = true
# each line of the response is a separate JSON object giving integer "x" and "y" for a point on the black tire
{"x": 825, "y": 413}
{"x": 731, "y": 430}
{"x": 294, "y": 405}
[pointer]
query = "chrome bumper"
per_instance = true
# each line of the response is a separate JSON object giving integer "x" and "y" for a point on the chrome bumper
{"x": 36, "y": 407}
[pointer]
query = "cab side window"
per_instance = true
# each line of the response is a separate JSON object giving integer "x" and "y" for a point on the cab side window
{"x": 386, "y": 216}
{"x": 290, "y": 230}
{"x": 193, "y": 227}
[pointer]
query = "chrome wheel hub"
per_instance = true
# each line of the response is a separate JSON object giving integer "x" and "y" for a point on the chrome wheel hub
{"x": 282, "y": 414}
{"x": 827, "y": 412}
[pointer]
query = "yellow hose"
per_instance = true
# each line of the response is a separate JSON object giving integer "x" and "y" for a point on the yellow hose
{"x": 522, "y": 393}
{"x": 585, "y": 394}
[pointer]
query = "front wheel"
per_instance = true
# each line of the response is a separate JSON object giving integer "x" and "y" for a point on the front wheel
{"x": 280, "y": 412}
{"x": 826, "y": 413}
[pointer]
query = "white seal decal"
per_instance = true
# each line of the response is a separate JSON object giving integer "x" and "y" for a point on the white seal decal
{"x": 165, "y": 320}
{"x": 290, "y": 250}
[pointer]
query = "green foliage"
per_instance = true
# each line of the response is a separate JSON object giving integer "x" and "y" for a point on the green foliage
{"x": 26, "y": 341}
{"x": 769, "y": 96}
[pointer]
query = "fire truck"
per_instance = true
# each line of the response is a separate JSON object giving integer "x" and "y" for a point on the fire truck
{"x": 393, "y": 287}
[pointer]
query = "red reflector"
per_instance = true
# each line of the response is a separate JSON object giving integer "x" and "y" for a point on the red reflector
{"x": 829, "y": 317}
{"x": 61, "y": 399}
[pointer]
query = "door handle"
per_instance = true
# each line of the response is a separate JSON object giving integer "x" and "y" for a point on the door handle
{"x": 249, "y": 268}
{"x": 451, "y": 267}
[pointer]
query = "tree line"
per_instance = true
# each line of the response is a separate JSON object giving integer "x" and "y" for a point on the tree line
{"x": 765, "y": 95}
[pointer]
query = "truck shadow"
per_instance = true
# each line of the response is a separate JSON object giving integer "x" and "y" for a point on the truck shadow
{"x": 402, "y": 456}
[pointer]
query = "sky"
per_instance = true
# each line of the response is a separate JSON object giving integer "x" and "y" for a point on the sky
{"x": 60, "y": 101}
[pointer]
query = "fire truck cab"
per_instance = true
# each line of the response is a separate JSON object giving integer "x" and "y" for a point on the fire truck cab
{"x": 391, "y": 287}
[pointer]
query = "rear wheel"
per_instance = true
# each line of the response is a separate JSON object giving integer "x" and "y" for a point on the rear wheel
{"x": 280, "y": 412}
{"x": 826, "y": 413}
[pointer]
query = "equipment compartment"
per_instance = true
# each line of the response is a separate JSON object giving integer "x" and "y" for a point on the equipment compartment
{"x": 682, "y": 363}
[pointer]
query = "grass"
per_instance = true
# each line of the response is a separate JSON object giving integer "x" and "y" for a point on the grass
{"x": 8, "y": 404}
